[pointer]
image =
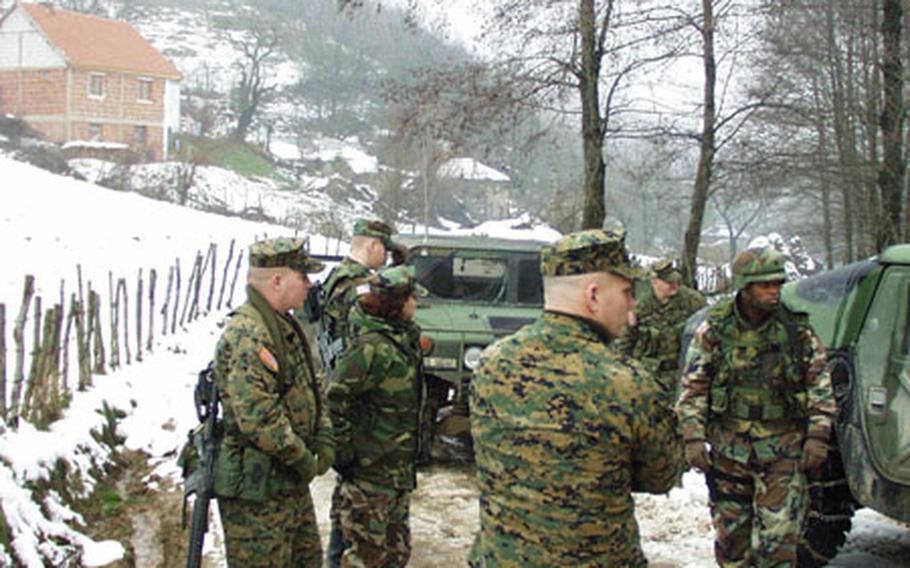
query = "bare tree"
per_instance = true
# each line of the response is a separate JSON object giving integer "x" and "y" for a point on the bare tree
{"x": 891, "y": 171}
{"x": 257, "y": 38}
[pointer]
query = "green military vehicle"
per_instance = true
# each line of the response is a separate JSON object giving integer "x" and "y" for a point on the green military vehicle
{"x": 862, "y": 313}
{"x": 480, "y": 288}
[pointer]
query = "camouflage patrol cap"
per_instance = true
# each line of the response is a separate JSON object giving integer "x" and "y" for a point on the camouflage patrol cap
{"x": 664, "y": 270}
{"x": 396, "y": 280}
{"x": 283, "y": 252}
{"x": 594, "y": 250}
{"x": 760, "y": 264}
{"x": 376, "y": 229}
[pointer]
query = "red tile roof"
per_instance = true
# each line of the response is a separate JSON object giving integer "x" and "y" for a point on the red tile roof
{"x": 100, "y": 43}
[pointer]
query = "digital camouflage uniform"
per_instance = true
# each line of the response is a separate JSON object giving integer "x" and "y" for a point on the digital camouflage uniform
{"x": 275, "y": 425}
{"x": 564, "y": 431}
{"x": 340, "y": 291}
{"x": 755, "y": 393}
{"x": 375, "y": 401}
{"x": 656, "y": 338}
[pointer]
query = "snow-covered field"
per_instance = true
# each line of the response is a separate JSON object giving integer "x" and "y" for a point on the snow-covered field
{"x": 50, "y": 224}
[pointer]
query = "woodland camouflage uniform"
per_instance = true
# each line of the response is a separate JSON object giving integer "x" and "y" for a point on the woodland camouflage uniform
{"x": 375, "y": 401}
{"x": 657, "y": 337}
{"x": 340, "y": 291}
{"x": 755, "y": 393}
{"x": 564, "y": 431}
{"x": 340, "y": 287}
{"x": 276, "y": 427}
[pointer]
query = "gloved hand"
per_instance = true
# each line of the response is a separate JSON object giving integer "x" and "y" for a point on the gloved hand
{"x": 697, "y": 455}
{"x": 305, "y": 466}
{"x": 324, "y": 446}
{"x": 815, "y": 452}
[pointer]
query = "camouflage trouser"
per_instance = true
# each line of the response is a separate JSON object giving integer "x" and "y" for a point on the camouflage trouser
{"x": 757, "y": 510}
{"x": 374, "y": 525}
{"x": 336, "y": 542}
{"x": 280, "y": 531}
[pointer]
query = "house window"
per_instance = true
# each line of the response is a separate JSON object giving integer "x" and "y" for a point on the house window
{"x": 94, "y": 131}
{"x": 96, "y": 85}
{"x": 145, "y": 90}
{"x": 140, "y": 134}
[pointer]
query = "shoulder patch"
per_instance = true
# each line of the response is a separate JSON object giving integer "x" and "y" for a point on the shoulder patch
{"x": 268, "y": 360}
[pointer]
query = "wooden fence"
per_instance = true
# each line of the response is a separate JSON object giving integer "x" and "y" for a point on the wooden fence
{"x": 101, "y": 343}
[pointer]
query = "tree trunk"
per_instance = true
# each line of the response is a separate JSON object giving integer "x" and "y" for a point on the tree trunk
{"x": 891, "y": 173}
{"x": 591, "y": 122}
{"x": 706, "y": 151}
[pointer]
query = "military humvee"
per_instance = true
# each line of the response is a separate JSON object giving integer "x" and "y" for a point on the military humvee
{"x": 862, "y": 313}
{"x": 480, "y": 288}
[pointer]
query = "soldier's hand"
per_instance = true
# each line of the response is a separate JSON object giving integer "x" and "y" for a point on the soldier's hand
{"x": 815, "y": 452}
{"x": 325, "y": 457}
{"x": 697, "y": 455}
{"x": 305, "y": 466}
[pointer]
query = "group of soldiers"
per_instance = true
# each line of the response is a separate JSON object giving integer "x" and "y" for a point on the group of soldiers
{"x": 569, "y": 416}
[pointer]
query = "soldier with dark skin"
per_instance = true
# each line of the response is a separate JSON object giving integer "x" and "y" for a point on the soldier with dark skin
{"x": 277, "y": 433}
{"x": 654, "y": 333}
{"x": 564, "y": 429}
{"x": 756, "y": 410}
{"x": 375, "y": 401}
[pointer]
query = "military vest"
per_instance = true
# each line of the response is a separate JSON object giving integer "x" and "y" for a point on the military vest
{"x": 759, "y": 374}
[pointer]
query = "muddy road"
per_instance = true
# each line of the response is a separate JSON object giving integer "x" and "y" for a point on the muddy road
{"x": 675, "y": 529}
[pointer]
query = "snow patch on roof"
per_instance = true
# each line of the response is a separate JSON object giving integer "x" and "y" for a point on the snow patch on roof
{"x": 470, "y": 169}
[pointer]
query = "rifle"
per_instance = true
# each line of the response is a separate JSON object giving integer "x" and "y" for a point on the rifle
{"x": 201, "y": 482}
{"x": 328, "y": 346}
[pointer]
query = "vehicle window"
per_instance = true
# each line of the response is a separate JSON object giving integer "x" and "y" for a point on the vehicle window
{"x": 830, "y": 287}
{"x": 457, "y": 277}
{"x": 530, "y": 283}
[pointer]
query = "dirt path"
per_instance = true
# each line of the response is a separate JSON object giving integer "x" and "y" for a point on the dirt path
{"x": 675, "y": 529}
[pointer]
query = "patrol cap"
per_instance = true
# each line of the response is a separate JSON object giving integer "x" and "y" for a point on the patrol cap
{"x": 373, "y": 228}
{"x": 283, "y": 252}
{"x": 664, "y": 270}
{"x": 396, "y": 280}
{"x": 593, "y": 250}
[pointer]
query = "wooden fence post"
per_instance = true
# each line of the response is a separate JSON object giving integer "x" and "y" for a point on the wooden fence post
{"x": 191, "y": 287}
{"x": 115, "y": 321}
{"x": 167, "y": 300}
{"x": 85, "y": 373}
{"x": 234, "y": 279}
{"x": 3, "y": 362}
{"x": 224, "y": 274}
{"x": 213, "y": 250}
{"x": 66, "y": 344}
{"x": 139, "y": 317}
{"x": 121, "y": 285}
{"x": 19, "y": 340}
{"x": 96, "y": 338}
{"x": 25, "y": 409}
{"x": 153, "y": 279}
{"x": 176, "y": 296}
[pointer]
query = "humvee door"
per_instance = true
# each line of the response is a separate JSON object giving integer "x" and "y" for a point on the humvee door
{"x": 883, "y": 373}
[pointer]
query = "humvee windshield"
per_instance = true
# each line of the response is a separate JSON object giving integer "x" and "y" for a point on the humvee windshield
{"x": 476, "y": 277}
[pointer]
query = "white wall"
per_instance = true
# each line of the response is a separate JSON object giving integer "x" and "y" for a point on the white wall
{"x": 22, "y": 44}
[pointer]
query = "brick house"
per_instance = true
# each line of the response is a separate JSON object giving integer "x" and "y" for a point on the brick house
{"x": 79, "y": 78}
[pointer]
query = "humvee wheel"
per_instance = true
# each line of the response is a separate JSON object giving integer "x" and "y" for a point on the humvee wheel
{"x": 829, "y": 513}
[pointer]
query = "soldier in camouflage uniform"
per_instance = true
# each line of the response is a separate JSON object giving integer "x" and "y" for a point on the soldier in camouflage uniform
{"x": 564, "y": 430}
{"x": 277, "y": 433}
{"x": 375, "y": 401}
{"x": 370, "y": 244}
{"x": 756, "y": 411}
{"x": 654, "y": 333}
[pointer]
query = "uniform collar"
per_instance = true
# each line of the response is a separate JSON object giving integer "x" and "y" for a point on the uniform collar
{"x": 586, "y": 325}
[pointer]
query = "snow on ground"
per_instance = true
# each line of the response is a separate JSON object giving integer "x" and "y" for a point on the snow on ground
{"x": 50, "y": 224}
